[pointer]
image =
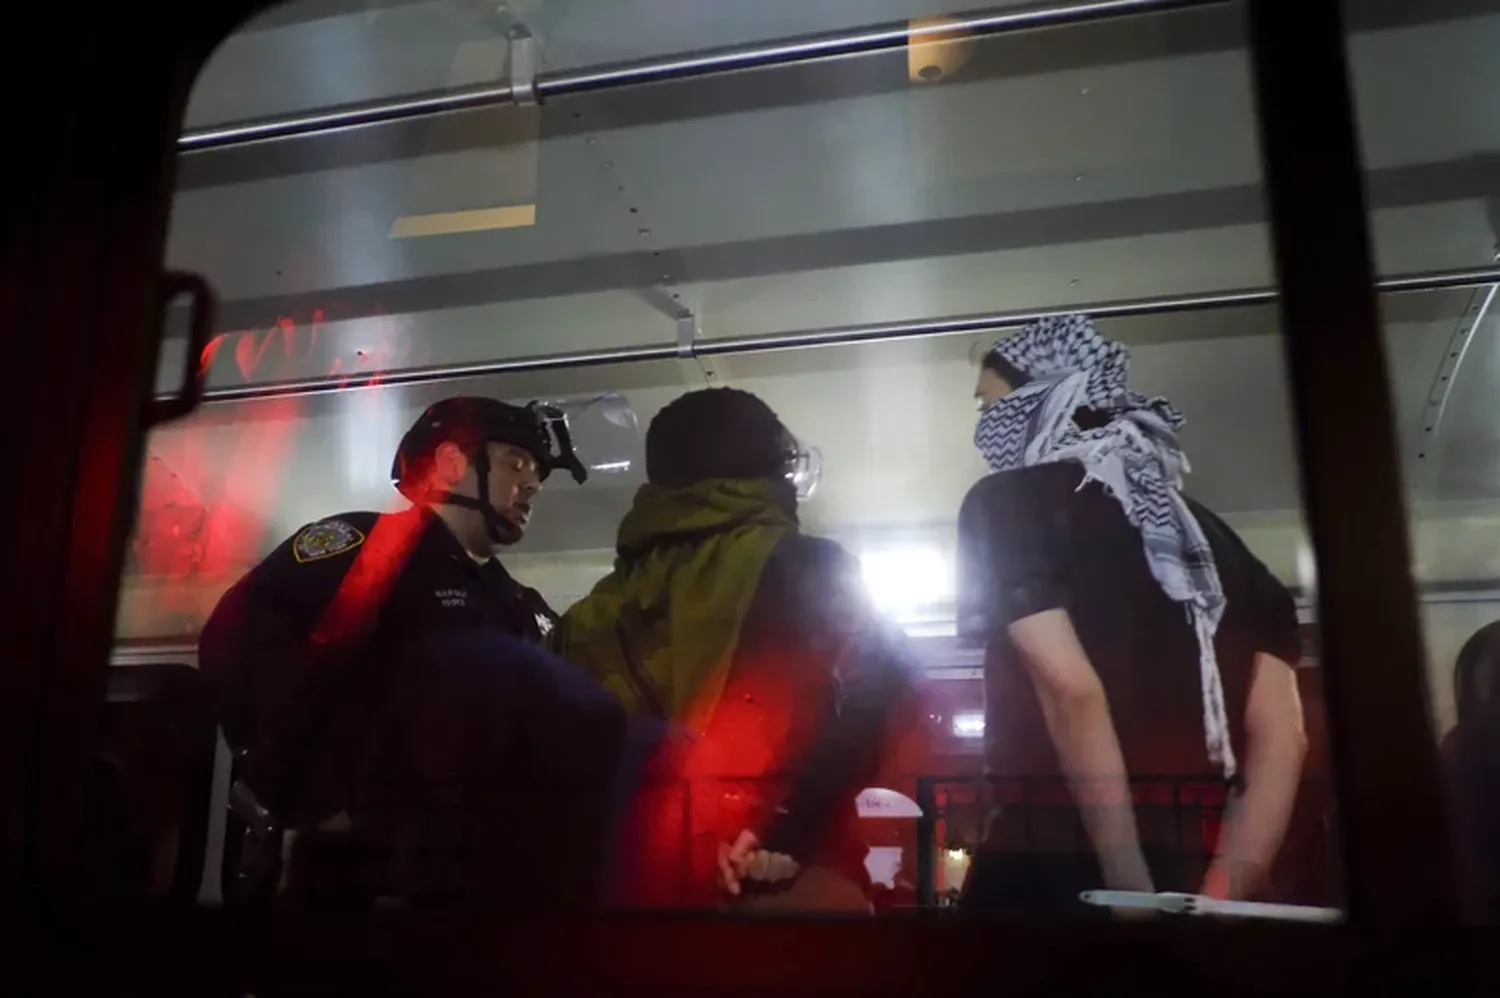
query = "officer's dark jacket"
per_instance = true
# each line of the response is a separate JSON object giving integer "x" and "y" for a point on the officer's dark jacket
{"x": 307, "y": 622}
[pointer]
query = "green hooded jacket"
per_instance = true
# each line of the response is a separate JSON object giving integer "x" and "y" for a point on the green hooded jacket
{"x": 660, "y": 631}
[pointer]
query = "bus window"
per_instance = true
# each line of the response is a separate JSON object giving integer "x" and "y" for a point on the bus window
{"x": 1428, "y": 215}
{"x": 1007, "y": 297}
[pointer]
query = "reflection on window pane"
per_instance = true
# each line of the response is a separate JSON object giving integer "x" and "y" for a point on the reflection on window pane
{"x": 1432, "y": 211}
{"x": 316, "y": 54}
{"x": 788, "y": 649}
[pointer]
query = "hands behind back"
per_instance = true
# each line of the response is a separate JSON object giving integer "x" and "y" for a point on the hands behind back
{"x": 745, "y": 860}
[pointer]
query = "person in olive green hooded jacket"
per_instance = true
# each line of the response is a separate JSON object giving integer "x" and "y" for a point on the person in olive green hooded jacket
{"x": 758, "y": 645}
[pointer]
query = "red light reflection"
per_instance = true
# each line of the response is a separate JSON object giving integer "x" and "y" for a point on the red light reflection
{"x": 213, "y": 484}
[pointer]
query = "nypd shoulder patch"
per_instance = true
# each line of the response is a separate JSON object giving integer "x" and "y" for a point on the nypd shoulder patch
{"x": 325, "y": 539}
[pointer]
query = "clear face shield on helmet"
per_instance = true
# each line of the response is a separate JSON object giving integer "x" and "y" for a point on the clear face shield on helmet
{"x": 804, "y": 469}
{"x": 604, "y": 430}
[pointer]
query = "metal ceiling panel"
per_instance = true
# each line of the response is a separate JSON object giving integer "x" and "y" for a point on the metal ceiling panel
{"x": 583, "y": 33}
{"x": 1033, "y": 277}
{"x": 316, "y": 53}
{"x": 276, "y": 67}
{"x": 867, "y": 165}
{"x": 1428, "y": 93}
{"x": 312, "y": 54}
{"x": 319, "y": 343}
{"x": 320, "y": 232}
{"x": 787, "y": 189}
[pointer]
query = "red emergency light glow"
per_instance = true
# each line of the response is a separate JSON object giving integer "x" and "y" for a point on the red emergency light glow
{"x": 202, "y": 515}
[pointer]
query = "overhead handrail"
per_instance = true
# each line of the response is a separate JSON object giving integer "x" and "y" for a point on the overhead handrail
{"x": 714, "y": 62}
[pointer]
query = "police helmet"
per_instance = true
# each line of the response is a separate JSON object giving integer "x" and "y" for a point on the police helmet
{"x": 538, "y": 428}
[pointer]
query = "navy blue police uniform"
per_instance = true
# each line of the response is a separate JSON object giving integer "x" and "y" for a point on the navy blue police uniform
{"x": 271, "y": 615}
{"x": 307, "y": 655}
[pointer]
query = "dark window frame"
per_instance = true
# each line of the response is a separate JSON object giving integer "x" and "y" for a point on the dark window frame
{"x": 82, "y": 266}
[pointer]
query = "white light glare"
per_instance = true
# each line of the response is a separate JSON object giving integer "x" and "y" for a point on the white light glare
{"x": 902, "y": 580}
{"x": 968, "y": 725}
{"x": 1307, "y": 569}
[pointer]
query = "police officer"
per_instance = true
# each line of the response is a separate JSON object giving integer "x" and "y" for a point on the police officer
{"x": 299, "y": 651}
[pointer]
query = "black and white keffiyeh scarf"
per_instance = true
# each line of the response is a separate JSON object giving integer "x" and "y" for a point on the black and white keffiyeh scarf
{"x": 1135, "y": 456}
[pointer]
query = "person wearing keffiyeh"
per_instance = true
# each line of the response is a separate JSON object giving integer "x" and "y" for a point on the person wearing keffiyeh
{"x": 1112, "y": 588}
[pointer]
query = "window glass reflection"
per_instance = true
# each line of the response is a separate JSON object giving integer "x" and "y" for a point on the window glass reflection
{"x": 1431, "y": 211}
{"x": 558, "y": 494}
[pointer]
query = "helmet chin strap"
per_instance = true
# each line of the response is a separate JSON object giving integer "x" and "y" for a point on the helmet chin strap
{"x": 501, "y": 530}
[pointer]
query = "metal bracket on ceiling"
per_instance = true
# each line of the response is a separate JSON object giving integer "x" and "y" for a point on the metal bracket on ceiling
{"x": 657, "y": 271}
{"x": 693, "y": 366}
{"x": 523, "y": 61}
{"x": 687, "y": 334}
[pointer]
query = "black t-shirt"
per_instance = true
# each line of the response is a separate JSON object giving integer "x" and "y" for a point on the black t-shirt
{"x": 1471, "y": 766}
{"x": 1033, "y": 540}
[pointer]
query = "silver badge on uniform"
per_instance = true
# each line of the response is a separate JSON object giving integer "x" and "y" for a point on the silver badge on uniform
{"x": 544, "y": 624}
